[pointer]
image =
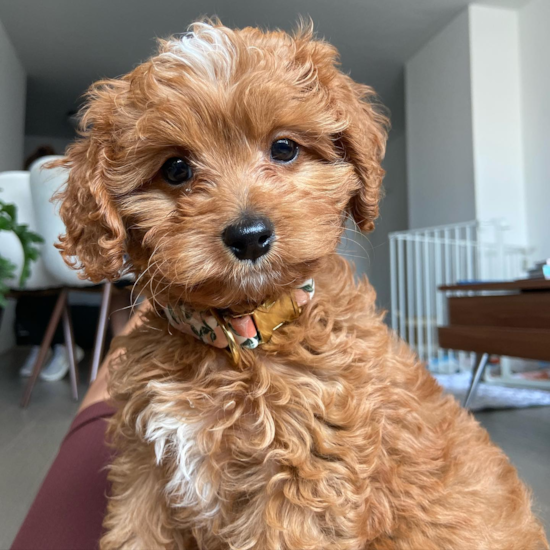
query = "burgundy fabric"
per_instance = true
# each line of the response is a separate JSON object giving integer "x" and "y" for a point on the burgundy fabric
{"x": 68, "y": 510}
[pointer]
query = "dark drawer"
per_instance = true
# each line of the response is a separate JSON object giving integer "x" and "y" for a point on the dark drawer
{"x": 528, "y": 343}
{"x": 527, "y": 310}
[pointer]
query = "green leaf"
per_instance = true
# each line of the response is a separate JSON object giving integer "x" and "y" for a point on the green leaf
{"x": 10, "y": 210}
{"x": 21, "y": 228}
{"x": 35, "y": 238}
{"x": 7, "y": 269}
{"x": 28, "y": 240}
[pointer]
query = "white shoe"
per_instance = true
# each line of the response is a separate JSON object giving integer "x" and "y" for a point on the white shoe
{"x": 26, "y": 369}
{"x": 58, "y": 367}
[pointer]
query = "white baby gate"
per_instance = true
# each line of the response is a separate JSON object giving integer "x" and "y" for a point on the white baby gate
{"x": 421, "y": 260}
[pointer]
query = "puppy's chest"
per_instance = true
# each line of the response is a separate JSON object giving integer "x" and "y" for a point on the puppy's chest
{"x": 239, "y": 456}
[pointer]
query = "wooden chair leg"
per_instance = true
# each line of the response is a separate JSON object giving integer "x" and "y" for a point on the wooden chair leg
{"x": 44, "y": 346}
{"x": 70, "y": 347}
{"x": 481, "y": 363}
{"x": 101, "y": 329}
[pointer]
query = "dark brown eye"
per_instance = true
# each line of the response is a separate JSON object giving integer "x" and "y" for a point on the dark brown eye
{"x": 176, "y": 171}
{"x": 284, "y": 150}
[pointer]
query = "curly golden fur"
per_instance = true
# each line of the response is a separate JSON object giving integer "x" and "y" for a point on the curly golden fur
{"x": 330, "y": 437}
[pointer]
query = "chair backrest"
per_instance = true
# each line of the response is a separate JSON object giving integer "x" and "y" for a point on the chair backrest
{"x": 15, "y": 189}
{"x": 44, "y": 183}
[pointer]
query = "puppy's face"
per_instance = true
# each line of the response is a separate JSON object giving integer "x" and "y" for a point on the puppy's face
{"x": 223, "y": 168}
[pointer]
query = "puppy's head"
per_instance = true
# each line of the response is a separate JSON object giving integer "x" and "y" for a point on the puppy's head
{"x": 221, "y": 170}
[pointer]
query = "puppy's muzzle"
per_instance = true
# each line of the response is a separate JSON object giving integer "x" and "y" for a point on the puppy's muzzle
{"x": 249, "y": 238}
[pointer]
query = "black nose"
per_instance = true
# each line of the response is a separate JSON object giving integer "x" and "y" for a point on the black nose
{"x": 249, "y": 238}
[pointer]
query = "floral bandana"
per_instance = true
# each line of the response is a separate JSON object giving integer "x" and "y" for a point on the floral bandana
{"x": 226, "y": 331}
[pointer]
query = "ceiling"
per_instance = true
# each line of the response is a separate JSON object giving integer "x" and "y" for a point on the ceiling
{"x": 65, "y": 45}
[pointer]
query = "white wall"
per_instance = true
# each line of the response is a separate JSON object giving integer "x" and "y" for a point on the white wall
{"x": 534, "y": 21}
{"x": 496, "y": 115}
{"x": 478, "y": 120}
{"x": 439, "y": 129}
{"x": 12, "y": 105}
{"x": 12, "y": 127}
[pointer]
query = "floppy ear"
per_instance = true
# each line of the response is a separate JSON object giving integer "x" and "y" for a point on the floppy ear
{"x": 363, "y": 142}
{"x": 95, "y": 235}
{"x": 362, "y": 126}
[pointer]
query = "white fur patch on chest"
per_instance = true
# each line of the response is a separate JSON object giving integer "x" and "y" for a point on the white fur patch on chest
{"x": 175, "y": 443}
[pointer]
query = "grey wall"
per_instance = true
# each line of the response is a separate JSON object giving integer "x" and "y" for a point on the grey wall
{"x": 370, "y": 252}
{"x": 12, "y": 105}
{"x": 439, "y": 129}
{"x": 32, "y": 142}
{"x": 393, "y": 217}
{"x": 478, "y": 120}
{"x": 12, "y": 124}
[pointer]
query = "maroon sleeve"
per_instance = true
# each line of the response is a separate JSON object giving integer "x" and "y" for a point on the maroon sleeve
{"x": 68, "y": 510}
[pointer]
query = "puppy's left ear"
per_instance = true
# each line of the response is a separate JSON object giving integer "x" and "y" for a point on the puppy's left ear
{"x": 363, "y": 142}
{"x": 361, "y": 128}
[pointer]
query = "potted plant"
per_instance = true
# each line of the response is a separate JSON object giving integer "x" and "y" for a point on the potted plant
{"x": 29, "y": 243}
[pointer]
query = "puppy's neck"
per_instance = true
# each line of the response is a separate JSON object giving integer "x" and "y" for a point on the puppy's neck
{"x": 231, "y": 330}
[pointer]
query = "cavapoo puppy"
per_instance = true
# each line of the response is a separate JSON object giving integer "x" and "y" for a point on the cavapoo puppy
{"x": 264, "y": 404}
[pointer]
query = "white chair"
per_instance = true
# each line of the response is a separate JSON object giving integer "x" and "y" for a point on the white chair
{"x": 31, "y": 192}
{"x": 15, "y": 189}
{"x": 44, "y": 183}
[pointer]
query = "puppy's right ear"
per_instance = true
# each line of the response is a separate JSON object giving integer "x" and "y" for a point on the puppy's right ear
{"x": 95, "y": 236}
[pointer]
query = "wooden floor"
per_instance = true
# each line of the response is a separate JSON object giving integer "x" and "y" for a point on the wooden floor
{"x": 29, "y": 440}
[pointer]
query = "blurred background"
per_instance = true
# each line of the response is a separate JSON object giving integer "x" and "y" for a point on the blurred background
{"x": 466, "y": 201}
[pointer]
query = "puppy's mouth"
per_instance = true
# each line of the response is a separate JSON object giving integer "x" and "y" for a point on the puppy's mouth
{"x": 242, "y": 287}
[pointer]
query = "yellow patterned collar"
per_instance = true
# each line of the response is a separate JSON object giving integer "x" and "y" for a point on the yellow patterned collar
{"x": 224, "y": 330}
